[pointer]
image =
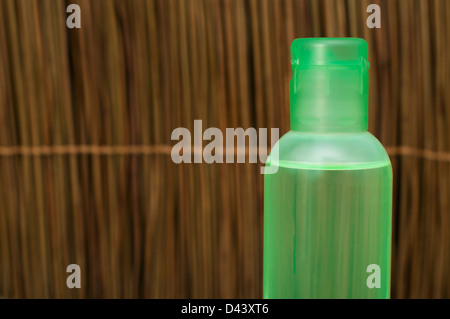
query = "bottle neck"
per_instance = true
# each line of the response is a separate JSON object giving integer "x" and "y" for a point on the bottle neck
{"x": 329, "y": 99}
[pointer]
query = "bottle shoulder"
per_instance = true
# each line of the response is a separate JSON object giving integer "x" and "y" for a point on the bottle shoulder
{"x": 333, "y": 151}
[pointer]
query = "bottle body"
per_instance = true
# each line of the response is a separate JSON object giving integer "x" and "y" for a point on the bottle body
{"x": 327, "y": 217}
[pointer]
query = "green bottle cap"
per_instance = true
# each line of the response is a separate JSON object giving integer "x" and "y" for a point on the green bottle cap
{"x": 329, "y": 86}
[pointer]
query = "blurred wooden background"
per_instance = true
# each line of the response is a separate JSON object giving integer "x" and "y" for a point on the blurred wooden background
{"x": 86, "y": 117}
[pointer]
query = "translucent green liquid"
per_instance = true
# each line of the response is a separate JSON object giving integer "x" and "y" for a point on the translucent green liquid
{"x": 323, "y": 228}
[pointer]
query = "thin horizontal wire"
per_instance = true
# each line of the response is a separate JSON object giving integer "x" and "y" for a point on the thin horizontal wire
{"x": 167, "y": 149}
{"x": 417, "y": 152}
{"x": 84, "y": 149}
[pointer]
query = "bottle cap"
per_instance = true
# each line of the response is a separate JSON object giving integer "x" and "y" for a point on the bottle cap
{"x": 329, "y": 86}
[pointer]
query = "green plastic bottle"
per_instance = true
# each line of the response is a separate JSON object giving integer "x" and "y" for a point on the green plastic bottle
{"x": 327, "y": 209}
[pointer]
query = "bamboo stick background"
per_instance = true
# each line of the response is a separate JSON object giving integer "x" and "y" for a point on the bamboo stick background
{"x": 86, "y": 117}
